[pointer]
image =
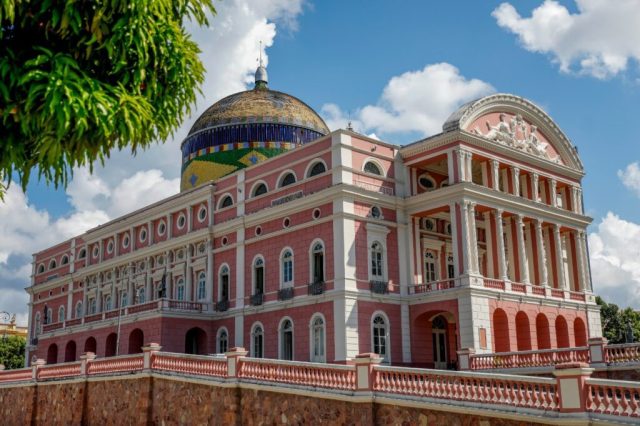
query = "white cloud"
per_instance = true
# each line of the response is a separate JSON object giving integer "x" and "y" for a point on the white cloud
{"x": 600, "y": 39}
{"x": 125, "y": 183}
{"x": 615, "y": 260}
{"x": 416, "y": 101}
{"x": 630, "y": 177}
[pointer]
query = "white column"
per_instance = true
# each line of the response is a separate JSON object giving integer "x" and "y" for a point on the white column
{"x": 582, "y": 284}
{"x": 69, "y": 313}
{"x": 466, "y": 245}
{"x": 169, "y": 227}
{"x": 586, "y": 273}
{"x": 473, "y": 237}
{"x": 534, "y": 187}
{"x": 490, "y": 244}
{"x": 188, "y": 276}
{"x": 469, "y": 166}
{"x": 542, "y": 255}
{"x": 515, "y": 180}
{"x": 522, "y": 252}
{"x": 553, "y": 193}
{"x": 454, "y": 239}
{"x": 418, "y": 251}
{"x": 579, "y": 201}
{"x": 484, "y": 168}
{"x": 512, "y": 250}
{"x": 150, "y": 232}
{"x": 450, "y": 166}
{"x": 460, "y": 166}
{"x": 495, "y": 170}
{"x": 240, "y": 265}
{"x": 209, "y": 288}
{"x": 114, "y": 294}
{"x": 557, "y": 242}
{"x": 502, "y": 261}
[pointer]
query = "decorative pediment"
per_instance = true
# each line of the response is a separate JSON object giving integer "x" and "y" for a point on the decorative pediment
{"x": 514, "y": 131}
{"x": 516, "y": 123}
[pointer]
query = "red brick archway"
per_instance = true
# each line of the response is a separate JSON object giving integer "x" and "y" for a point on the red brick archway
{"x": 562, "y": 332}
{"x": 52, "y": 354}
{"x": 110, "y": 345}
{"x": 90, "y": 345}
{"x": 136, "y": 341}
{"x": 70, "y": 351}
{"x": 523, "y": 332}
{"x": 501, "y": 340}
{"x": 195, "y": 341}
{"x": 580, "y": 332}
{"x": 542, "y": 332}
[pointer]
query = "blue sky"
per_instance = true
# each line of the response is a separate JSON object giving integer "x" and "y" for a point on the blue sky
{"x": 577, "y": 60}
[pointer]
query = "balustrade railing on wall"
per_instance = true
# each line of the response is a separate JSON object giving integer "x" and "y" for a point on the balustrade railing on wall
{"x": 528, "y": 392}
{"x": 622, "y": 353}
{"x": 528, "y": 359}
{"x": 432, "y": 286}
{"x": 480, "y": 391}
{"x": 299, "y": 373}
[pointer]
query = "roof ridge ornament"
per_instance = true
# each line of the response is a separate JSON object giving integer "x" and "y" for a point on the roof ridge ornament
{"x": 261, "y": 79}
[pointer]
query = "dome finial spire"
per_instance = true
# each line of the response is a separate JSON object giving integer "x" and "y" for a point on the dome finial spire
{"x": 261, "y": 73}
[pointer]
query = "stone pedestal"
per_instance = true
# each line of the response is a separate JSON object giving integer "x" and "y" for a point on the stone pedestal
{"x": 571, "y": 385}
{"x": 364, "y": 370}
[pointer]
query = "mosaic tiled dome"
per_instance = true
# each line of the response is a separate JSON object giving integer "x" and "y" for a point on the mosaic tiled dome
{"x": 244, "y": 129}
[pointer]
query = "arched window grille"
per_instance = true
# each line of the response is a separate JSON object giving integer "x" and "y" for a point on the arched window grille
{"x": 224, "y": 283}
{"x": 373, "y": 168}
{"x": 202, "y": 286}
{"x": 258, "y": 274}
{"x": 257, "y": 342}
{"x": 429, "y": 267}
{"x": 376, "y": 261}
{"x": 317, "y": 258}
{"x": 223, "y": 342}
{"x": 287, "y": 268}
{"x": 180, "y": 289}
{"x": 317, "y": 340}
{"x": 317, "y": 169}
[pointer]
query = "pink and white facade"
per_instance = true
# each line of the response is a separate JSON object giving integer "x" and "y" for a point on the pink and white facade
{"x": 474, "y": 238}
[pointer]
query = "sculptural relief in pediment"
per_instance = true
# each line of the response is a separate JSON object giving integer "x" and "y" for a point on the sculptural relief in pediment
{"x": 514, "y": 131}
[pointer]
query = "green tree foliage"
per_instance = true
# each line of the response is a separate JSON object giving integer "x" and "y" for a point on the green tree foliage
{"x": 616, "y": 322}
{"x": 78, "y": 79}
{"x": 12, "y": 351}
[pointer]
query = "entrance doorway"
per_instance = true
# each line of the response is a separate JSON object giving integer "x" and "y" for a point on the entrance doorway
{"x": 439, "y": 339}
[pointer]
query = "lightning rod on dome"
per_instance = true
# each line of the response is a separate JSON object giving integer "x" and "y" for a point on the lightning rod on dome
{"x": 261, "y": 79}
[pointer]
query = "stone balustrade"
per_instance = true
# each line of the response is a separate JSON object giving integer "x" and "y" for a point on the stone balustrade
{"x": 528, "y": 359}
{"x": 570, "y": 391}
{"x": 624, "y": 353}
{"x": 498, "y": 389}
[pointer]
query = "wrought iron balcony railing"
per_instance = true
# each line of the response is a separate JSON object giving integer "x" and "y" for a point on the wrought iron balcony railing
{"x": 316, "y": 288}
{"x": 379, "y": 287}
{"x": 257, "y": 299}
{"x": 222, "y": 305}
{"x": 285, "y": 293}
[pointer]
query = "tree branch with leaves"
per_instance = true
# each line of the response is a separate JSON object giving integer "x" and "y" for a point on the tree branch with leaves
{"x": 79, "y": 79}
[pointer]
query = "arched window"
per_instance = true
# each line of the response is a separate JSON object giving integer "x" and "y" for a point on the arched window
{"x": 286, "y": 340}
{"x": 92, "y": 305}
{"x": 82, "y": 254}
{"x": 49, "y": 318}
{"x": 223, "y": 341}
{"x": 52, "y": 264}
{"x": 226, "y": 201}
{"x": 180, "y": 289}
{"x": 124, "y": 299}
{"x": 202, "y": 286}
{"x": 224, "y": 283}
{"x": 65, "y": 260}
{"x": 287, "y": 179}
{"x": 429, "y": 267}
{"x": 373, "y": 168}
{"x": 316, "y": 169}
{"x": 287, "y": 268}
{"x": 40, "y": 269}
{"x": 61, "y": 314}
{"x": 317, "y": 262}
{"x": 107, "y": 303}
{"x": 78, "y": 309}
{"x": 257, "y": 341}
{"x": 379, "y": 335}
{"x": 258, "y": 276}
{"x": 376, "y": 261}
{"x": 142, "y": 295}
{"x": 317, "y": 339}
{"x": 259, "y": 189}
